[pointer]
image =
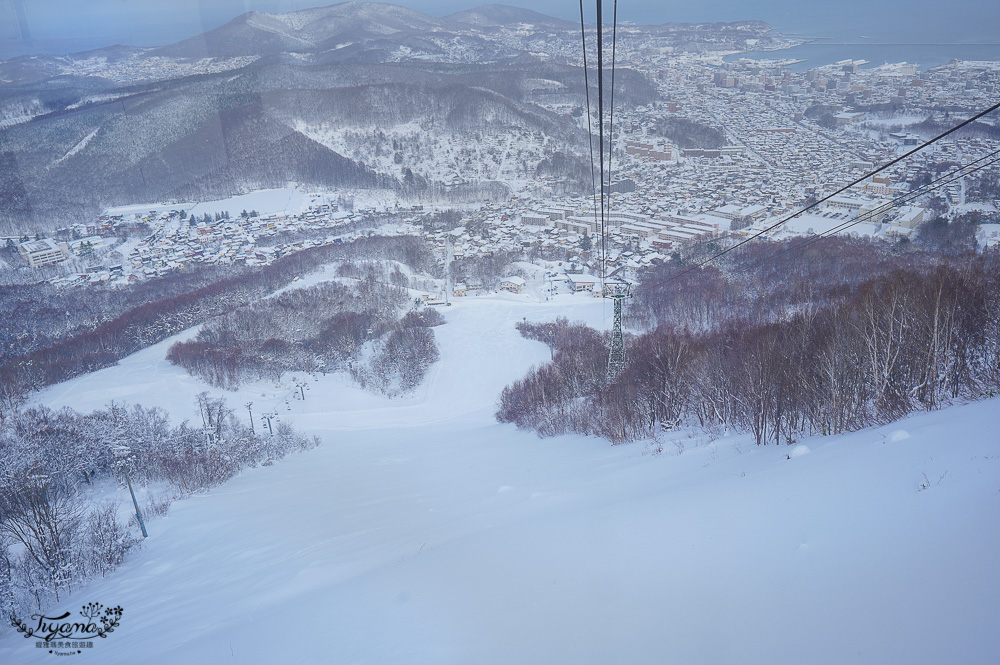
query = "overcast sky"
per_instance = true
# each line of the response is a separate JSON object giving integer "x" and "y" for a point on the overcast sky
{"x": 68, "y": 25}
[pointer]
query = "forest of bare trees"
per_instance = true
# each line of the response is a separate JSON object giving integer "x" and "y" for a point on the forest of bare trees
{"x": 485, "y": 270}
{"x": 844, "y": 335}
{"x": 51, "y": 336}
{"x": 688, "y": 133}
{"x": 322, "y": 328}
{"x": 54, "y": 535}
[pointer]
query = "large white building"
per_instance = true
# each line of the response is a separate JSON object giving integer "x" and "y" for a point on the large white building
{"x": 910, "y": 217}
{"x": 865, "y": 210}
{"x": 42, "y": 252}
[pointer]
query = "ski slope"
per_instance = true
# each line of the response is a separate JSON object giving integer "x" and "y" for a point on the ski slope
{"x": 422, "y": 531}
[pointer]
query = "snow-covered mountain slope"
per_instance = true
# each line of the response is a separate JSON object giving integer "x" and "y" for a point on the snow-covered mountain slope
{"x": 423, "y": 532}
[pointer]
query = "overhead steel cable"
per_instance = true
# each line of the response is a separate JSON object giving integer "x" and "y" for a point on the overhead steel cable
{"x": 940, "y": 181}
{"x": 937, "y": 183}
{"x": 611, "y": 112}
{"x": 604, "y": 169}
{"x": 839, "y": 191}
{"x": 590, "y": 131}
{"x": 600, "y": 126}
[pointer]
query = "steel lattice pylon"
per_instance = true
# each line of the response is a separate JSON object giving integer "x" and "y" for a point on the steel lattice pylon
{"x": 618, "y": 292}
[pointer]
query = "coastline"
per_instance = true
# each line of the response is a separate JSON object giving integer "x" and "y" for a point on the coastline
{"x": 814, "y": 52}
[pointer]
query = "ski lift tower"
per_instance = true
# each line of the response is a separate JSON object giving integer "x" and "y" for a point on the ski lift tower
{"x": 618, "y": 292}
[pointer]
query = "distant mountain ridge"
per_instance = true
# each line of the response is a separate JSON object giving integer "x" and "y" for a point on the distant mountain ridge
{"x": 308, "y": 30}
{"x": 500, "y": 15}
{"x": 323, "y": 28}
{"x": 349, "y": 95}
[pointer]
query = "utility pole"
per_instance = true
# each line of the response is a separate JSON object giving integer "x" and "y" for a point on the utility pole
{"x": 123, "y": 460}
{"x": 248, "y": 405}
{"x": 266, "y": 417}
{"x": 138, "y": 514}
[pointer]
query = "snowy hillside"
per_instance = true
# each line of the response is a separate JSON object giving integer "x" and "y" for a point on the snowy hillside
{"x": 423, "y": 532}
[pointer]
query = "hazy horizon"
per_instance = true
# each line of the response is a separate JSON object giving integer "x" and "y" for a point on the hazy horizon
{"x": 62, "y": 26}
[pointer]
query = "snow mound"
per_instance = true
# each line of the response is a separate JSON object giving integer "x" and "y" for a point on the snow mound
{"x": 799, "y": 451}
{"x": 899, "y": 435}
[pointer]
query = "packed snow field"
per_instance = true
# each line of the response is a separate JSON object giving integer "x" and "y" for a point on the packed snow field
{"x": 422, "y": 531}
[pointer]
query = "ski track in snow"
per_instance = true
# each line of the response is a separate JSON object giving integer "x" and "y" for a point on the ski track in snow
{"x": 422, "y": 531}
{"x": 77, "y": 148}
